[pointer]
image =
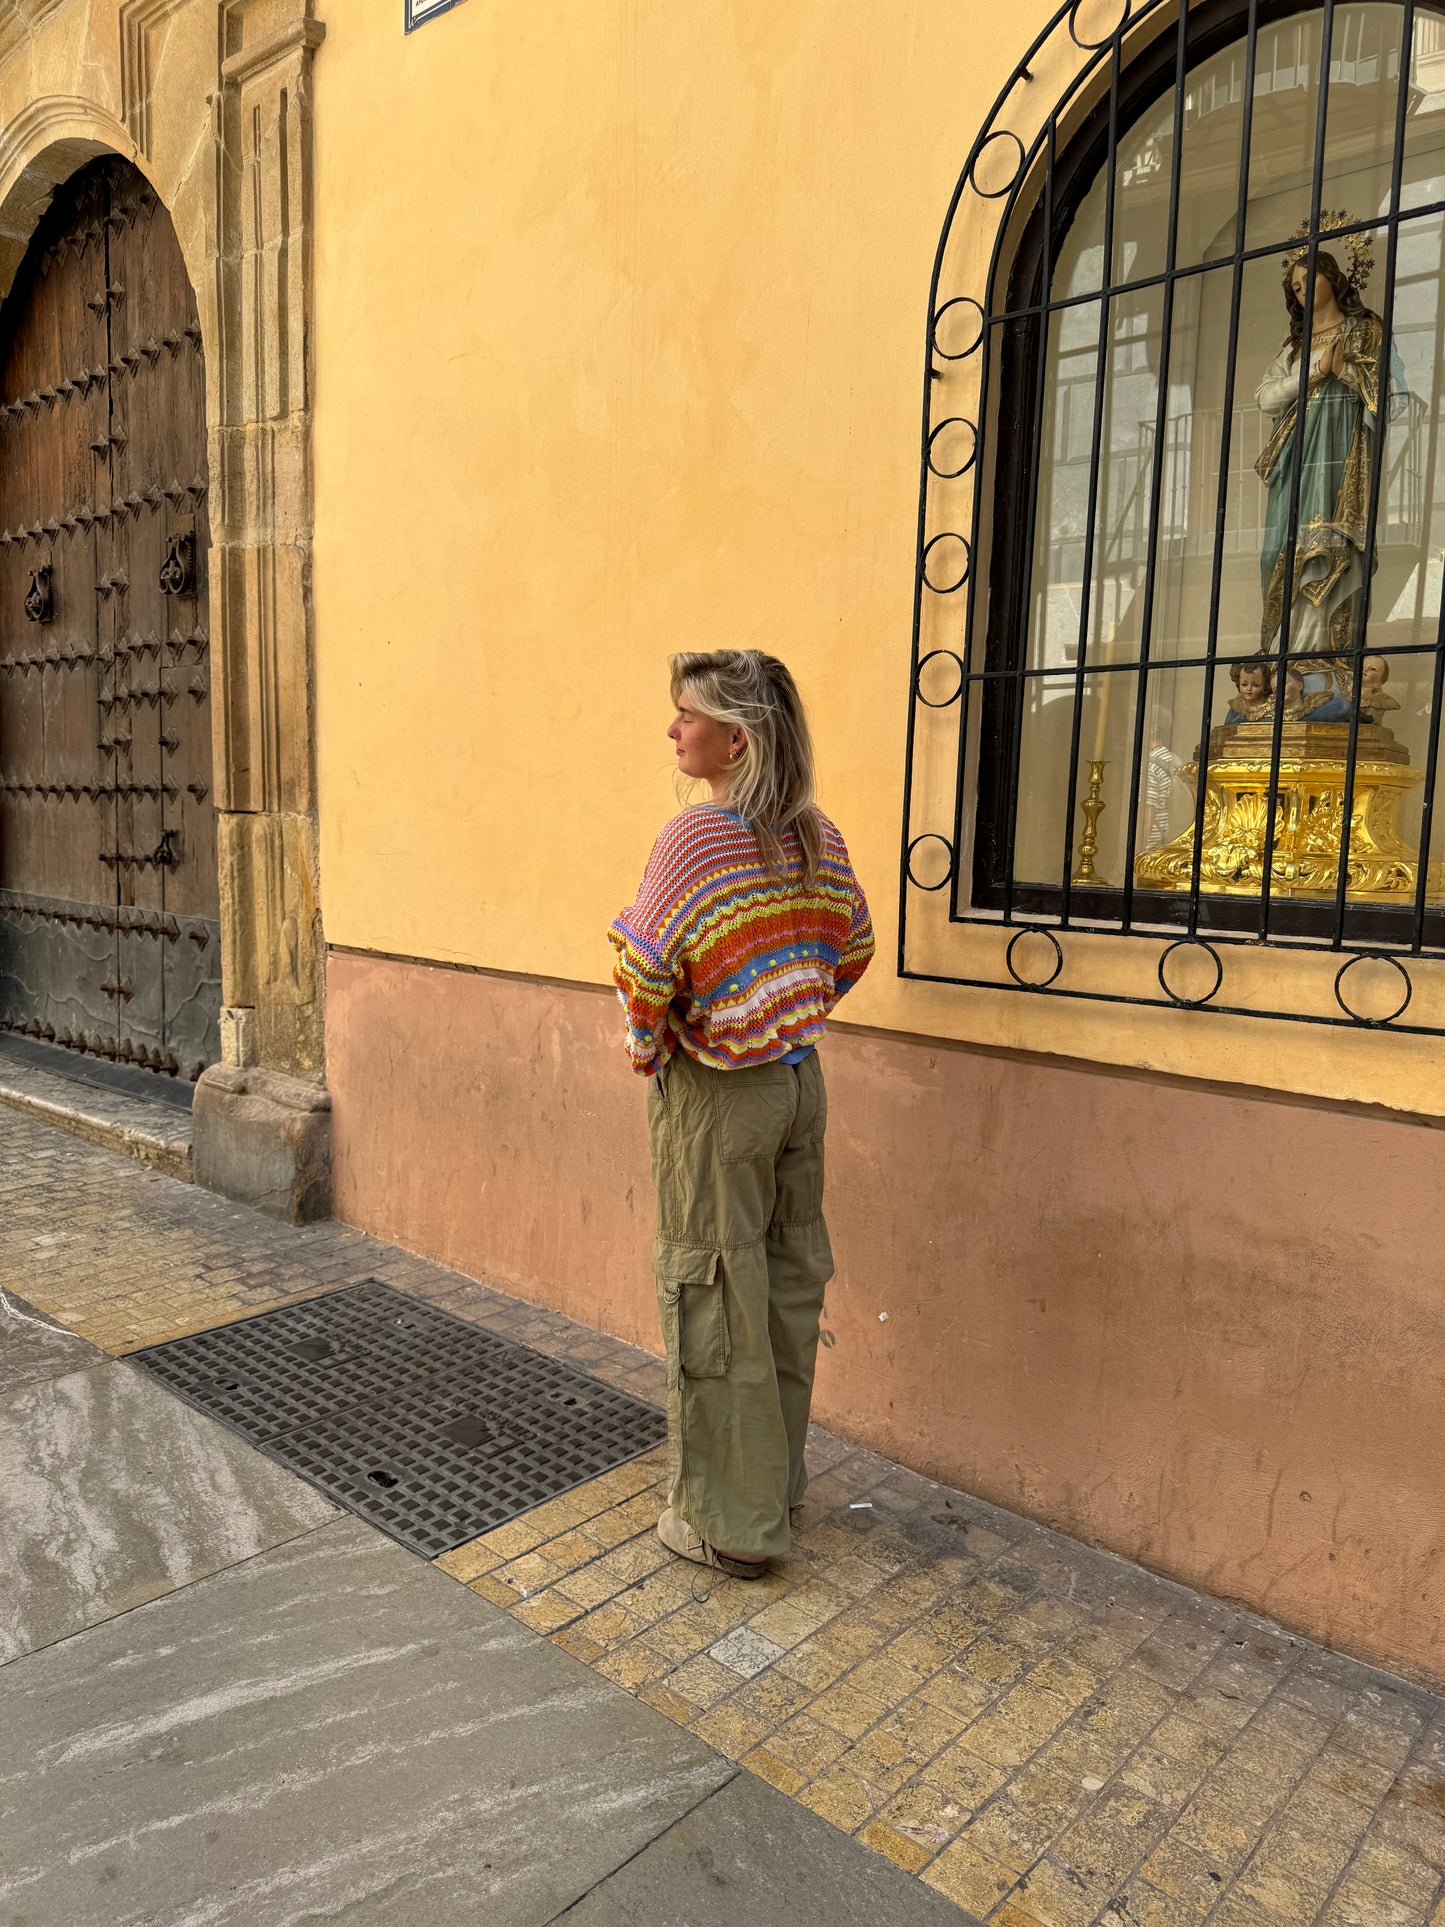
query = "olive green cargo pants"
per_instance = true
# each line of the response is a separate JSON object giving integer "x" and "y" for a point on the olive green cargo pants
{"x": 741, "y": 1260}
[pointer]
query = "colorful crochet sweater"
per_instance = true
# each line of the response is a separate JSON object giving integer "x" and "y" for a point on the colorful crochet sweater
{"x": 737, "y": 965}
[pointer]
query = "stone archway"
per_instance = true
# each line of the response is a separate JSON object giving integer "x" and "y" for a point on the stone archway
{"x": 211, "y": 99}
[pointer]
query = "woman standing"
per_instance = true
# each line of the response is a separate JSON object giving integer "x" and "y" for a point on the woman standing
{"x": 748, "y": 927}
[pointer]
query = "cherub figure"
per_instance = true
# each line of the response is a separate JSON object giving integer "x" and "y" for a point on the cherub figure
{"x": 1254, "y": 683}
{"x": 1374, "y": 701}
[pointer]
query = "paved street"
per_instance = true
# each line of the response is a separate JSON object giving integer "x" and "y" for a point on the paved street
{"x": 226, "y": 1701}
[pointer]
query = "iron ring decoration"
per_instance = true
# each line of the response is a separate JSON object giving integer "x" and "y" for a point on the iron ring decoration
{"x": 1094, "y": 46}
{"x": 997, "y": 193}
{"x": 952, "y": 474}
{"x": 929, "y": 836}
{"x": 947, "y": 535}
{"x": 1373, "y": 956}
{"x": 1033, "y": 930}
{"x": 1191, "y": 943}
{"x": 924, "y": 661}
{"x": 958, "y": 301}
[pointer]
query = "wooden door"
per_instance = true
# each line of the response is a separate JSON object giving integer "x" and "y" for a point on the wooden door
{"x": 109, "y": 907}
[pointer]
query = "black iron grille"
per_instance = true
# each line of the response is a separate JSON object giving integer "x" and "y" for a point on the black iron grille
{"x": 431, "y": 1428}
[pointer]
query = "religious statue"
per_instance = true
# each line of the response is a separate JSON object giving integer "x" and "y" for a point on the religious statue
{"x": 1276, "y": 784}
{"x": 1340, "y": 446}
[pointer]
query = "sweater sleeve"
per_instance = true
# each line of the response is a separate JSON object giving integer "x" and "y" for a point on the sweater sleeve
{"x": 858, "y": 950}
{"x": 647, "y": 965}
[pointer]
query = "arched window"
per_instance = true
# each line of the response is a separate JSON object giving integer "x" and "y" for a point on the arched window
{"x": 1178, "y": 653}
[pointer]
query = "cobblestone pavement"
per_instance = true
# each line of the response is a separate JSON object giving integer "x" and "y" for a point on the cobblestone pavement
{"x": 1046, "y": 1735}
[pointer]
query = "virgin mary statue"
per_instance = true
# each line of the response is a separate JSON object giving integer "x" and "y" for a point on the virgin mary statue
{"x": 1341, "y": 444}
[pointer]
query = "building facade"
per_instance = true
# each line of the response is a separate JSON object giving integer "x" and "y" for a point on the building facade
{"x": 540, "y": 342}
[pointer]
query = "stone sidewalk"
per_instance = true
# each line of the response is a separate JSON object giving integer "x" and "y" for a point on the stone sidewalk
{"x": 1045, "y": 1735}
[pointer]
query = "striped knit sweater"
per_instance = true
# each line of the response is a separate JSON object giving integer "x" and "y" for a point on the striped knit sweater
{"x": 735, "y": 965}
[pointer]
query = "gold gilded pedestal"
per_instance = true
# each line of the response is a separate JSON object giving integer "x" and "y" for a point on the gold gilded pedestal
{"x": 1308, "y": 817}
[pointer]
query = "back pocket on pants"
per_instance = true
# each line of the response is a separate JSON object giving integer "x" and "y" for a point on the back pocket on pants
{"x": 694, "y": 1310}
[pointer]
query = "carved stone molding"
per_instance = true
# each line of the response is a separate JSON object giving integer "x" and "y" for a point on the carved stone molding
{"x": 19, "y": 20}
{"x": 142, "y": 22}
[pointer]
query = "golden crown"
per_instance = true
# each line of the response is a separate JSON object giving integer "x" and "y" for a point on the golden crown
{"x": 1359, "y": 247}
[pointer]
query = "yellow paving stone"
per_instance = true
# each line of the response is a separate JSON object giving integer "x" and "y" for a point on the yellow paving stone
{"x": 514, "y": 1538}
{"x": 1016, "y": 1726}
{"x": 661, "y": 1694}
{"x": 1396, "y": 1871}
{"x": 1356, "y": 1904}
{"x": 1224, "y": 1837}
{"x": 545, "y": 1613}
{"x": 567, "y": 1552}
{"x": 1362, "y": 1781}
{"x": 901, "y": 1849}
{"x": 963, "y": 1777}
{"x": 1108, "y": 1841}
{"x": 1278, "y": 1894}
{"x": 1021, "y": 1636}
{"x": 1007, "y": 1834}
{"x": 849, "y": 1638}
{"x": 1049, "y": 1897}
{"x": 577, "y": 1643}
{"x": 731, "y": 1730}
{"x": 490, "y": 1587}
{"x": 533, "y": 1572}
{"x": 925, "y": 1813}
{"x": 783, "y": 1624}
{"x": 1185, "y": 1874}
{"x": 658, "y": 1595}
{"x": 607, "y": 1627}
{"x": 884, "y": 1679}
{"x": 988, "y": 1659}
{"x": 1236, "y": 1911}
{"x": 920, "y": 1651}
{"x": 882, "y": 1762}
{"x": 776, "y": 1772}
{"x": 1141, "y": 1905}
{"x": 853, "y": 1576}
{"x": 612, "y": 1528}
{"x": 811, "y": 1666}
{"x": 634, "y": 1560}
{"x": 633, "y": 1665}
{"x": 589, "y": 1586}
{"x": 470, "y": 1561}
{"x": 1065, "y": 1678}
{"x": 842, "y": 1797}
{"x": 923, "y": 1729}
{"x": 847, "y": 1710}
{"x": 955, "y": 1690}
{"x": 808, "y": 1745}
{"x": 1053, "y": 1616}
{"x": 772, "y": 1697}
{"x": 702, "y": 1680}
{"x": 1316, "y": 1856}
{"x": 675, "y": 1638}
{"x": 1045, "y": 1789}
{"x": 970, "y": 1878}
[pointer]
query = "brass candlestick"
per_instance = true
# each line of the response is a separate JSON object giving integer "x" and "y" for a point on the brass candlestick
{"x": 1089, "y": 841}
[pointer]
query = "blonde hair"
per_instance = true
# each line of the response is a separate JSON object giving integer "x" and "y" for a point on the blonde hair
{"x": 772, "y": 786}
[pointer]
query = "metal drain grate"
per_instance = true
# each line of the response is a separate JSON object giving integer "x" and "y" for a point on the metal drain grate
{"x": 431, "y": 1428}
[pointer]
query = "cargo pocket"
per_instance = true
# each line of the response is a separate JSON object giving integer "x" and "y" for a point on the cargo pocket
{"x": 694, "y": 1309}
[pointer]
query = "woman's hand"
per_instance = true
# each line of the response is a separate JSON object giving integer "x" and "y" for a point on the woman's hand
{"x": 1333, "y": 360}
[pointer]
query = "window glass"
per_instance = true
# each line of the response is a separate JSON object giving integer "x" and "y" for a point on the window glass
{"x": 1157, "y": 524}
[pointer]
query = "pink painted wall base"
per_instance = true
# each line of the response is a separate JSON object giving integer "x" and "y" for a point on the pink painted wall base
{"x": 1203, "y": 1329}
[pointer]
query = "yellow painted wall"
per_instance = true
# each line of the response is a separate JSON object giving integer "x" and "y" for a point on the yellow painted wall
{"x": 619, "y": 330}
